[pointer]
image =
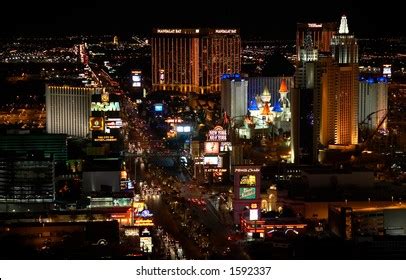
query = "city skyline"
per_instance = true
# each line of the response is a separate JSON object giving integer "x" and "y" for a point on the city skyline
{"x": 277, "y": 22}
{"x": 150, "y": 131}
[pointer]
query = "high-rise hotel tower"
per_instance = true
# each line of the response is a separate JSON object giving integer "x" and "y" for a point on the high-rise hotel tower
{"x": 193, "y": 60}
{"x": 319, "y": 33}
{"x": 344, "y": 50}
{"x": 68, "y": 109}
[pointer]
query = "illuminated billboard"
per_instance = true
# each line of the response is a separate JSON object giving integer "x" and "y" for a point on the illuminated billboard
{"x": 136, "y": 78}
{"x": 146, "y": 244}
{"x": 96, "y": 123}
{"x": 183, "y": 128}
{"x": 158, "y": 107}
{"x": 169, "y": 31}
{"x": 105, "y": 107}
{"x": 253, "y": 215}
{"x": 315, "y": 25}
{"x": 254, "y": 169}
{"x": 387, "y": 70}
{"x": 122, "y": 201}
{"x": 217, "y": 134}
{"x": 211, "y": 160}
{"x": 247, "y": 193}
{"x": 141, "y": 222}
{"x": 105, "y": 138}
{"x": 113, "y": 123}
{"x": 226, "y": 147}
{"x": 225, "y": 31}
{"x": 211, "y": 147}
{"x": 161, "y": 76}
{"x": 248, "y": 180}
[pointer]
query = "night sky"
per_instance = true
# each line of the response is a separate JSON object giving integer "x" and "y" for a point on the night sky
{"x": 276, "y": 20}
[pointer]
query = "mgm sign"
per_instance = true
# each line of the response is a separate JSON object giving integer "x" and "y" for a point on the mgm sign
{"x": 105, "y": 107}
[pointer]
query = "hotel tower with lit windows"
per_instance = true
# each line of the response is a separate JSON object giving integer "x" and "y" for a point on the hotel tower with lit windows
{"x": 193, "y": 60}
{"x": 325, "y": 98}
{"x": 344, "y": 50}
{"x": 320, "y": 34}
{"x": 68, "y": 109}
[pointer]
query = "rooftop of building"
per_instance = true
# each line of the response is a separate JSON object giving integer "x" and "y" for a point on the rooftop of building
{"x": 332, "y": 26}
{"x": 195, "y": 31}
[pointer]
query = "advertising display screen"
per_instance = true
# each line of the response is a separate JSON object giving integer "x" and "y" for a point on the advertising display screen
{"x": 387, "y": 70}
{"x": 136, "y": 78}
{"x": 248, "y": 180}
{"x": 226, "y": 147}
{"x": 146, "y": 244}
{"x": 211, "y": 160}
{"x": 211, "y": 147}
{"x": 96, "y": 123}
{"x": 247, "y": 193}
{"x": 183, "y": 128}
{"x": 158, "y": 107}
{"x": 254, "y": 214}
{"x": 122, "y": 201}
{"x": 161, "y": 76}
{"x": 113, "y": 123}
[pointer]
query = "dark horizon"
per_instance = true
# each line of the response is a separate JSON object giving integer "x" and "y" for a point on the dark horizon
{"x": 254, "y": 20}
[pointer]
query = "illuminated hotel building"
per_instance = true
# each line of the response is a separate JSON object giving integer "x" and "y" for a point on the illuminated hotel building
{"x": 345, "y": 54}
{"x": 306, "y": 109}
{"x": 327, "y": 100}
{"x": 257, "y": 85}
{"x": 68, "y": 109}
{"x": 234, "y": 96}
{"x": 193, "y": 60}
{"x": 373, "y": 103}
{"x": 321, "y": 34}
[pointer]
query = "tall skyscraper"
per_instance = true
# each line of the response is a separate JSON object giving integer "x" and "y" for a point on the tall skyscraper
{"x": 193, "y": 60}
{"x": 320, "y": 33}
{"x": 373, "y": 103}
{"x": 344, "y": 49}
{"x": 306, "y": 103}
{"x": 327, "y": 101}
{"x": 68, "y": 109}
{"x": 234, "y": 96}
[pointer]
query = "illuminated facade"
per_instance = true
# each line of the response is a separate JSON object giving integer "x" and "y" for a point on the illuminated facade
{"x": 234, "y": 96}
{"x": 193, "y": 60}
{"x": 257, "y": 85}
{"x": 327, "y": 101}
{"x": 373, "y": 103}
{"x": 345, "y": 53}
{"x": 327, "y": 84}
{"x": 68, "y": 109}
{"x": 307, "y": 103}
{"x": 321, "y": 34}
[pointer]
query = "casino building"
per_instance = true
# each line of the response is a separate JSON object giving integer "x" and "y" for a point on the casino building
{"x": 68, "y": 109}
{"x": 193, "y": 60}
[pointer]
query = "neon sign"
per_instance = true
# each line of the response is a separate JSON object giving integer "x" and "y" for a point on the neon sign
{"x": 169, "y": 31}
{"x": 247, "y": 193}
{"x": 105, "y": 107}
{"x": 226, "y": 31}
{"x": 315, "y": 25}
